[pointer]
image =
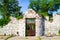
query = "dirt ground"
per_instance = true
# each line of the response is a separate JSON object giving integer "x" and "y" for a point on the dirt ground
{"x": 30, "y": 38}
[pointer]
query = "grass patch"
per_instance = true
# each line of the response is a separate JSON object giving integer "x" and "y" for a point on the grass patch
{"x": 38, "y": 38}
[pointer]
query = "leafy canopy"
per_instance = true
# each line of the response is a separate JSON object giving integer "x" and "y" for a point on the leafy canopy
{"x": 4, "y": 21}
{"x": 9, "y": 8}
{"x": 43, "y": 6}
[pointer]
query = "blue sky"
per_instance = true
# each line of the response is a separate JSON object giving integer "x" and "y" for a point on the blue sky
{"x": 24, "y": 4}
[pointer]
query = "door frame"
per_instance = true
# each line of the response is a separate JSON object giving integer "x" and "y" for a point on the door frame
{"x": 32, "y": 23}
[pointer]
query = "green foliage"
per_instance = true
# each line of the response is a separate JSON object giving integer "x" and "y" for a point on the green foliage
{"x": 33, "y": 27}
{"x": 5, "y": 20}
{"x": 59, "y": 31}
{"x": 43, "y": 14}
{"x": 35, "y": 5}
{"x": 26, "y": 32}
{"x": 9, "y": 8}
{"x": 43, "y": 6}
{"x": 19, "y": 17}
{"x": 50, "y": 17}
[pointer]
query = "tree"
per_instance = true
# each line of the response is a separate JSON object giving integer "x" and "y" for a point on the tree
{"x": 9, "y": 8}
{"x": 43, "y": 6}
{"x": 4, "y": 21}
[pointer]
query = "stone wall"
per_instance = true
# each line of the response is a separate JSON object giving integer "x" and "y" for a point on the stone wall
{"x": 42, "y": 26}
{"x": 52, "y": 27}
{"x": 13, "y": 27}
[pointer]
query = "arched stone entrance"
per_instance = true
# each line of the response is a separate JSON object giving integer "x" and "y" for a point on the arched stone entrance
{"x": 33, "y": 25}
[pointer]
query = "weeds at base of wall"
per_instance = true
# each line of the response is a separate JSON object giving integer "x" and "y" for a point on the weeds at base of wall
{"x": 38, "y": 38}
{"x": 59, "y": 32}
{"x": 8, "y": 37}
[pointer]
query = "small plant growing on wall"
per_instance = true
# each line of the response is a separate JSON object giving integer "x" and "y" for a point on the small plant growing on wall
{"x": 19, "y": 17}
{"x": 59, "y": 32}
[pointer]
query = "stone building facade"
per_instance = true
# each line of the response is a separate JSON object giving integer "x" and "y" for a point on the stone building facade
{"x": 31, "y": 25}
{"x": 53, "y": 27}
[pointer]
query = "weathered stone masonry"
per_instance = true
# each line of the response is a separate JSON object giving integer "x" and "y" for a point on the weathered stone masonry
{"x": 42, "y": 26}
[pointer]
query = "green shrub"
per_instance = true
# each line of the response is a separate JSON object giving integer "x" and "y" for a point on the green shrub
{"x": 19, "y": 17}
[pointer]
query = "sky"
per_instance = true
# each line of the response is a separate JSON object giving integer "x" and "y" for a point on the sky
{"x": 24, "y": 4}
